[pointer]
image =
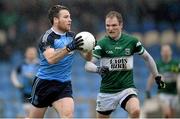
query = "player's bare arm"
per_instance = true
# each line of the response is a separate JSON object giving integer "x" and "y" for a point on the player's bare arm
{"x": 92, "y": 67}
{"x": 53, "y": 56}
{"x": 150, "y": 82}
{"x": 151, "y": 63}
{"x": 87, "y": 55}
{"x": 15, "y": 80}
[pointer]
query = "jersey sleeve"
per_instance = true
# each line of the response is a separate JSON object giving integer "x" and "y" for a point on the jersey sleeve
{"x": 157, "y": 65}
{"x": 138, "y": 48}
{"x": 97, "y": 52}
{"x": 45, "y": 42}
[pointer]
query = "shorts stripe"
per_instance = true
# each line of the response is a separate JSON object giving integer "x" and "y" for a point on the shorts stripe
{"x": 34, "y": 88}
{"x": 123, "y": 104}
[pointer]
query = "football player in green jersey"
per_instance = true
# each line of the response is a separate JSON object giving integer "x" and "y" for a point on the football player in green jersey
{"x": 169, "y": 68}
{"x": 115, "y": 51}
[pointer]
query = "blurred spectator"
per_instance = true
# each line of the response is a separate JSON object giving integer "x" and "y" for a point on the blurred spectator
{"x": 170, "y": 69}
{"x": 5, "y": 47}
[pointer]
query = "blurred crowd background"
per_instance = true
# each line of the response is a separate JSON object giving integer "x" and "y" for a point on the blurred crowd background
{"x": 153, "y": 22}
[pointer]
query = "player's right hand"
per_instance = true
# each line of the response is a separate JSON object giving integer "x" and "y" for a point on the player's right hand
{"x": 75, "y": 44}
{"x": 102, "y": 70}
{"x": 18, "y": 85}
{"x": 161, "y": 84}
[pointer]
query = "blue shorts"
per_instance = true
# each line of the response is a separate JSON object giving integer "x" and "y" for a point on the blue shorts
{"x": 45, "y": 92}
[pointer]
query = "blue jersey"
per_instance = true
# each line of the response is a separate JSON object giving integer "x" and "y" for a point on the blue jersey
{"x": 60, "y": 71}
{"x": 27, "y": 72}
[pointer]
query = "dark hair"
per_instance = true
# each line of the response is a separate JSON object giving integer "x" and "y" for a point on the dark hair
{"x": 54, "y": 11}
{"x": 115, "y": 14}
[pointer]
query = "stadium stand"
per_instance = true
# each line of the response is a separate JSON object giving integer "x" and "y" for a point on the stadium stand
{"x": 151, "y": 38}
{"x": 167, "y": 37}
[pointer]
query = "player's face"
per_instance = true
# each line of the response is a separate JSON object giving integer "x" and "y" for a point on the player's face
{"x": 166, "y": 52}
{"x": 64, "y": 21}
{"x": 113, "y": 27}
{"x": 31, "y": 53}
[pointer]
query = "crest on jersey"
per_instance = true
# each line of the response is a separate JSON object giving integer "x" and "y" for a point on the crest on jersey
{"x": 138, "y": 44}
{"x": 127, "y": 51}
{"x": 98, "y": 47}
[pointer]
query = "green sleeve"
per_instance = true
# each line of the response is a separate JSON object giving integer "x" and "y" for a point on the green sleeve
{"x": 97, "y": 52}
{"x": 157, "y": 65}
{"x": 138, "y": 48}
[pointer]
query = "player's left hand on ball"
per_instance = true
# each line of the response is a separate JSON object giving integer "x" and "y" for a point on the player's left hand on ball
{"x": 102, "y": 70}
{"x": 79, "y": 42}
{"x": 161, "y": 84}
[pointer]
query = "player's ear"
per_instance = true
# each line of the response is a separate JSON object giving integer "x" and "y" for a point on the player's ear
{"x": 55, "y": 19}
{"x": 121, "y": 25}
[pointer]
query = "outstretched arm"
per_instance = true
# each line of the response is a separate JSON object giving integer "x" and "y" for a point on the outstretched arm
{"x": 91, "y": 67}
{"x": 15, "y": 80}
{"x": 152, "y": 66}
{"x": 149, "y": 82}
{"x": 151, "y": 63}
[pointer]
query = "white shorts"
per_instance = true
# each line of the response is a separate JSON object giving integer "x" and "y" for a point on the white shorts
{"x": 167, "y": 99}
{"x": 106, "y": 101}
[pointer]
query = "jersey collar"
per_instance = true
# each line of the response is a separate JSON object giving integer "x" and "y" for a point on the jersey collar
{"x": 117, "y": 39}
{"x": 56, "y": 32}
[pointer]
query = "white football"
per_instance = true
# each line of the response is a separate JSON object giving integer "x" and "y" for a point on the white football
{"x": 88, "y": 40}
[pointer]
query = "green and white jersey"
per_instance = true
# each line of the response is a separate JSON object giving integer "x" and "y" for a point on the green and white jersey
{"x": 118, "y": 56}
{"x": 169, "y": 71}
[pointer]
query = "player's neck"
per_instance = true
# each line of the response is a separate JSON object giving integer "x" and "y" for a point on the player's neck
{"x": 31, "y": 61}
{"x": 57, "y": 31}
{"x": 117, "y": 38}
{"x": 167, "y": 60}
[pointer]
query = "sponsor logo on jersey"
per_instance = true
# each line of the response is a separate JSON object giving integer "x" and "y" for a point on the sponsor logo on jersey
{"x": 118, "y": 63}
{"x": 109, "y": 52}
{"x": 118, "y": 48}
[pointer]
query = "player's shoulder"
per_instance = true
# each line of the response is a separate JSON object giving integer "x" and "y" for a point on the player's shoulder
{"x": 175, "y": 61}
{"x": 49, "y": 35}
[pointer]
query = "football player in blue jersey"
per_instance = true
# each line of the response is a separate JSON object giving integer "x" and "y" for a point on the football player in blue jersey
{"x": 52, "y": 85}
{"x": 22, "y": 77}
